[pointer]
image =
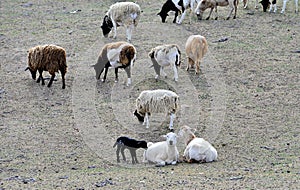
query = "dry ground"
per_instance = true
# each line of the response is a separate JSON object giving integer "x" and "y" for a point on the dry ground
{"x": 245, "y": 100}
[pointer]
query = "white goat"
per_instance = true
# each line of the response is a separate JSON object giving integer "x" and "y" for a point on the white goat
{"x": 165, "y": 55}
{"x": 122, "y": 13}
{"x": 197, "y": 149}
{"x": 212, "y": 4}
{"x": 162, "y": 153}
{"x": 156, "y": 101}
{"x": 195, "y": 47}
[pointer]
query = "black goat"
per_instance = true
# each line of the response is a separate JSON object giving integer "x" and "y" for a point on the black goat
{"x": 131, "y": 144}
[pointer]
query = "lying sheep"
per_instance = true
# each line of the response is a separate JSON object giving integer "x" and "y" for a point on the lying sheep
{"x": 212, "y": 4}
{"x": 195, "y": 47}
{"x": 49, "y": 58}
{"x": 162, "y": 153}
{"x": 165, "y": 55}
{"x": 121, "y": 13}
{"x": 131, "y": 144}
{"x": 156, "y": 101}
{"x": 197, "y": 149}
{"x": 116, "y": 55}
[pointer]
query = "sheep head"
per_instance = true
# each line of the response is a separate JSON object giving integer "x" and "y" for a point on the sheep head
{"x": 33, "y": 73}
{"x": 163, "y": 16}
{"x": 106, "y": 26}
{"x": 140, "y": 116}
{"x": 187, "y": 133}
{"x": 171, "y": 139}
{"x": 127, "y": 55}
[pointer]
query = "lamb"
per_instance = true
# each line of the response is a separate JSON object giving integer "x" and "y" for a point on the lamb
{"x": 49, "y": 58}
{"x": 195, "y": 47}
{"x": 121, "y": 13}
{"x": 165, "y": 55}
{"x": 116, "y": 55}
{"x": 178, "y": 6}
{"x": 212, "y": 4}
{"x": 131, "y": 144}
{"x": 163, "y": 153}
{"x": 156, "y": 101}
{"x": 197, "y": 149}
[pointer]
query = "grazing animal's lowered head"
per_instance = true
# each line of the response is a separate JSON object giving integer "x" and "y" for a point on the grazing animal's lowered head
{"x": 163, "y": 16}
{"x": 106, "y": 26}
{"x": 33, "y": 72}
{"x": 140, "y": 116}
{"x": 265, "y": 4}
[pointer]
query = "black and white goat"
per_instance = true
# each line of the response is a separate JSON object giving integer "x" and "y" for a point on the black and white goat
{"x": 132, "y": 145}
{"x": 179, "y": 6}
{"x": 122, "y": 13}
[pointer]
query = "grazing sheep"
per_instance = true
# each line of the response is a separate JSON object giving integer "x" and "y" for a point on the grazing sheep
{"x": 212, "y": 4}
{"x": 178, "y": 6}
{"x": 197, "y": 149}
{"x": 165, "y": 55}
{"x": 121, "y": 13}
{"x": 162, "y": 153}
{"x": 116, "y": 55}
{"x": 156, "y": 101}
{"x": 195, "y": 47}
{"x": 131, "y": 144}
{"x": 49, "y": 58}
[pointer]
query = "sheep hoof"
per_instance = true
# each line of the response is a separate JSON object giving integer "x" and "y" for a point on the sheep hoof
{"x": 171, "y": 130}
{"x": 103, "y": 80}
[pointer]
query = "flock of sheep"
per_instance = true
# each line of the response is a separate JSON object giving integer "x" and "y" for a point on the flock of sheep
{"x": 122, "y": 55}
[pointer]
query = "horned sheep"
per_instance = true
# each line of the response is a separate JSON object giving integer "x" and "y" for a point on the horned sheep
{"x": 165, "y": 55}
{"x": 116, "y": 55}
{"x": 156, "y": 101}
{"x": 164, "y": 152}
{"x": 212, "y": 4}
{"x": 49, "y": 58}
{"x": 132, "y": 145}
{"x": 195, "y": 47}
{"x": 121, "y": 13}
{"x": 197, "y": 149}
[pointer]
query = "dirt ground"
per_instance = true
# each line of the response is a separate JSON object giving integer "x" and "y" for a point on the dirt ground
{"x": 245, "y": 101}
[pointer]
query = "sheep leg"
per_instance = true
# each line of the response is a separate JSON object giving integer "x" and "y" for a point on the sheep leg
{"x": 172, "y": 117}
{"x": 41, "y": 77}
{"x": 63, "y": 79}
{"x": 216, "y": 12}
{"x": 115, "y": 28}
{"x": 129, "y": 32}
{"x": 116, "y": 74}
{"x": 198, "y": 67}
{"x": 133, "y": 156}
{"x": 128, "y": 72}
{"x": 283, "y": 6}
{"x": 175, "y": 72}
{"x": 118, "y": 153}
{"x": 210, "y": 13}
{"x": 182, "y": 17}
{"x": 105, "y": 74}
{"x": 176, "y": 14}
{"x": 146, "y": 120}
{"x": 122, "y": 152}
{"x": 162, "y": 72}
{"x": 51, "y": 80}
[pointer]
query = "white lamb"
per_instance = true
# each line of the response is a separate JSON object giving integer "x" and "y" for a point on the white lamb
{"x": 121, "y": 13}
{"x": 162, "y": 153}
{"x": 165, "y": 55}
{"x": 197, "y": 149}
{"x": 156, "y": 101}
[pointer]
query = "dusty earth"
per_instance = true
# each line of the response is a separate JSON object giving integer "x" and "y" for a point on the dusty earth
{"x": 245, "y": 101}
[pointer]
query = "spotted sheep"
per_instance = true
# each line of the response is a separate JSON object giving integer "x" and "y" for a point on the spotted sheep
{"x": 213, "y": 4}
{"x": 121, "y": 13}
{"x": 116, "y": 55}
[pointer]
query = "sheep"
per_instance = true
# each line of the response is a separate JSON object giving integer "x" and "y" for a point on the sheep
{"x": 272, "y": 3}
{"x": 116, "y": 55}
{"x": 121, "y": 13}
{"x": 178, "y": 6}
{"x": 131, "y": 144}
{"x": 156, "y": 101}
{"x": 49, "y": 58}
{"x": 212, "y": 4}
{"x": 162, "y": 153}
{"x": 197, "y": 149}
{"x": 165, "y": 55}
{"x": 195, "y": 47}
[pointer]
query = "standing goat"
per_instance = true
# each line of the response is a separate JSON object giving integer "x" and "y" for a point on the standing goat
{"x": 156, "y": 101}
{"x": 131, "y": 144}
{"x": 162, "y": 153}
{"x": 197, "y": 149}
{"x": 165, "y": 55}
{"x": 195, "y": 47}
{"x": 213, "y": 4}
{"x": 122, "y": 13}
{"x": 116, "y": 55}
{"x": 49, "y": 58}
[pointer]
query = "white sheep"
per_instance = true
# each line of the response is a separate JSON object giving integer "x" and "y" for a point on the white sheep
{"x": 165, "y": 55}
{"x": 156, "y": 101}
{"x": 49, "y": 58}
{"x": 197, "y": 149}
{"x": 195, "y": 47}
{"x": 163, "y": 153}
{"x": 121, "y": 13}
